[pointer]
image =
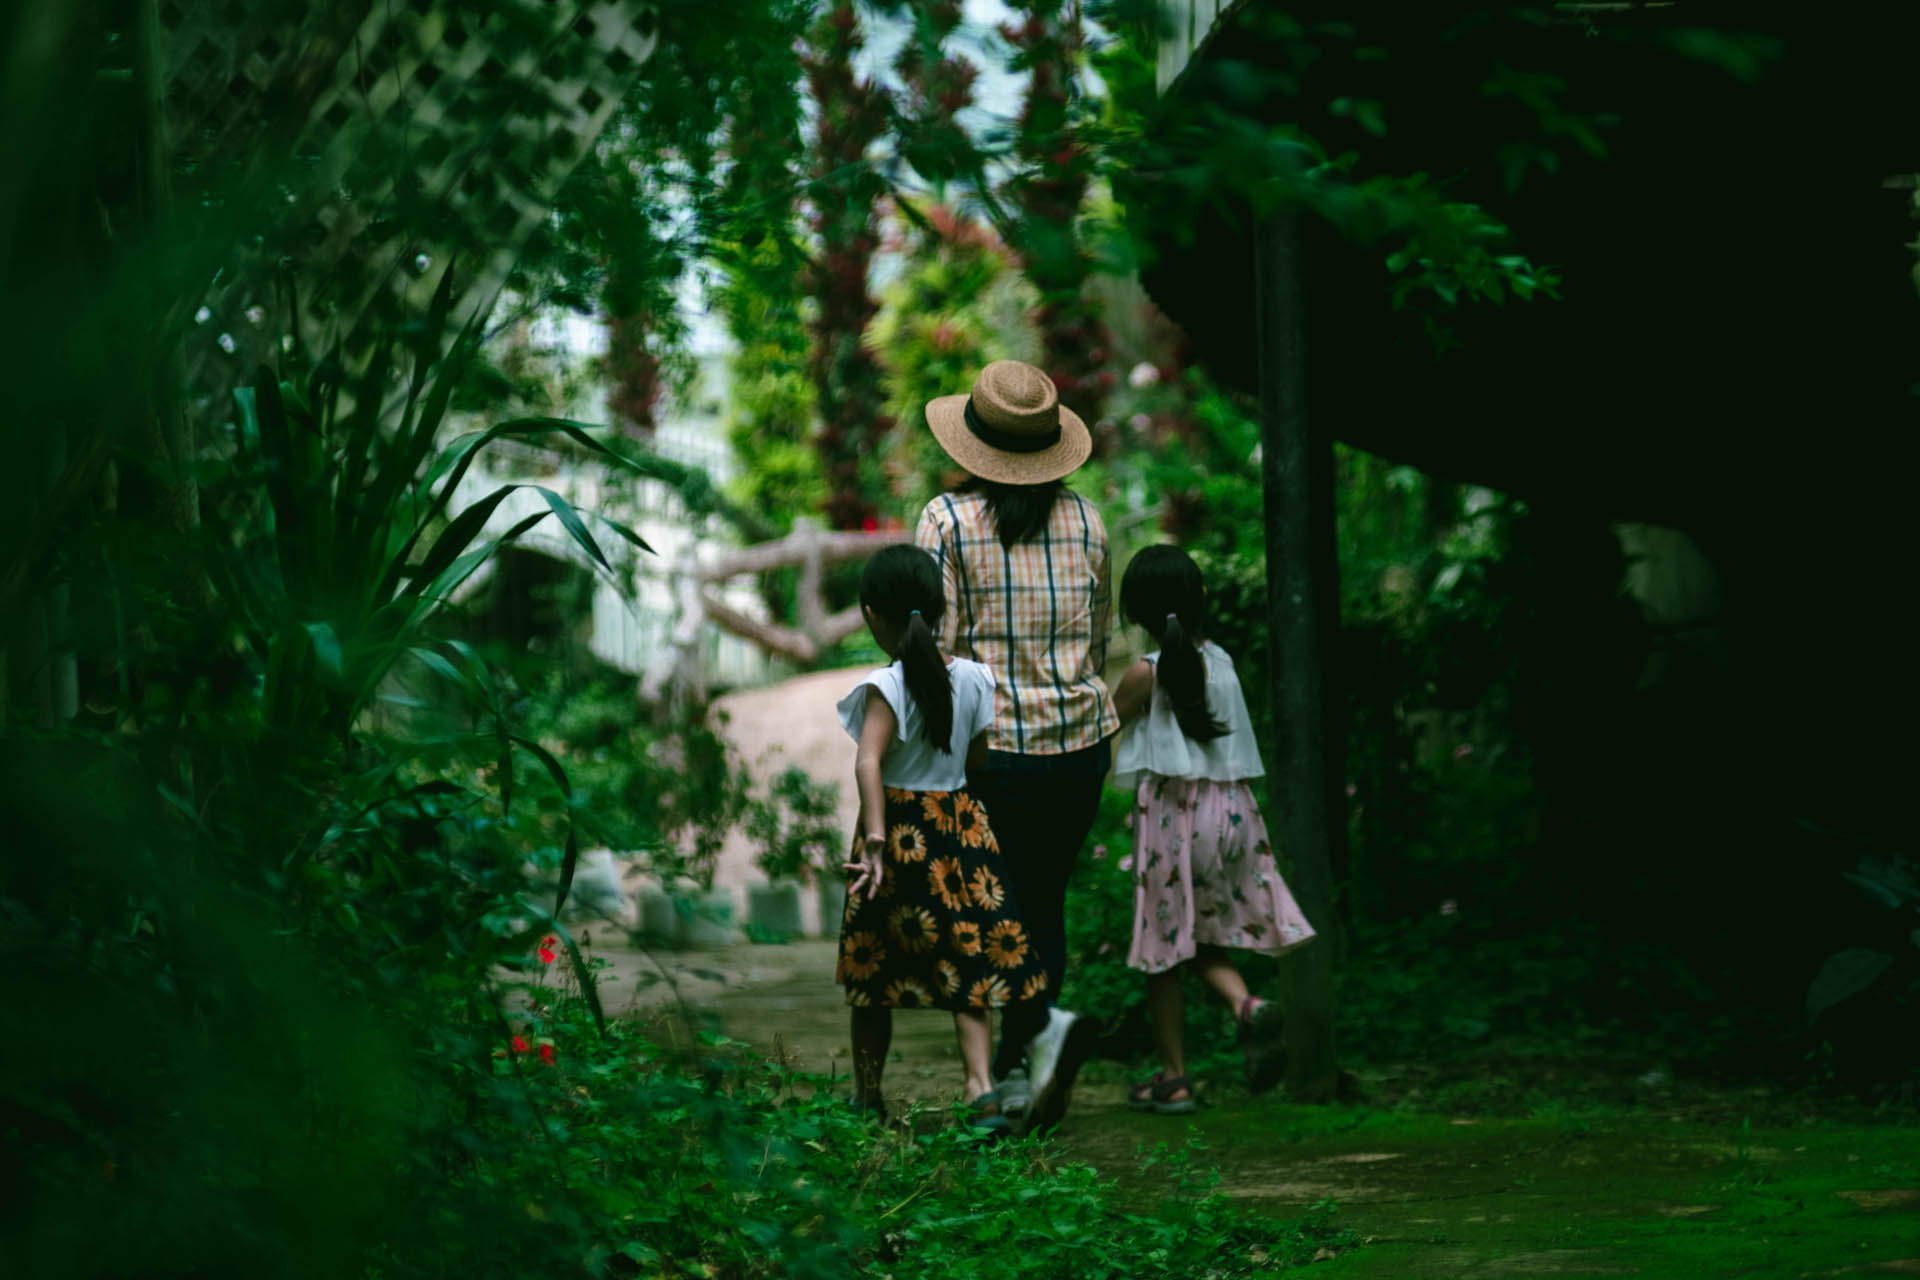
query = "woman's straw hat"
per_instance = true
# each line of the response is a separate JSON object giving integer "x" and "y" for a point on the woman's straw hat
{"x": 1012, "y": 429}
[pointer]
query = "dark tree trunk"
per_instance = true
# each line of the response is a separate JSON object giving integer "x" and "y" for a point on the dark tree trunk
{"x": 1302, "y": 603}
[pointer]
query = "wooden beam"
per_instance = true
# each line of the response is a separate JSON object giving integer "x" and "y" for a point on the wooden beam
{"x": 1296, "y": 473}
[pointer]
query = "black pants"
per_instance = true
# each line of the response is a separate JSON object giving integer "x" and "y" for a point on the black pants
{"x": 1041, "y": 808}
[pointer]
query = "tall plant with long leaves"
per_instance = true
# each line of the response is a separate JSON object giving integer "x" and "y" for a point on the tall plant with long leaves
{"x": 363, "y": 546}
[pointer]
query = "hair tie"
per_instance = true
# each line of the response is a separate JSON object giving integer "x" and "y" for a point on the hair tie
{"x": 1172, "y": 616}
{"x": 913, "y": 613}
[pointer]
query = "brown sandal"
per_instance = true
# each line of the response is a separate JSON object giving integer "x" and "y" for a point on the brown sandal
{"x": 1157, "y": 1095}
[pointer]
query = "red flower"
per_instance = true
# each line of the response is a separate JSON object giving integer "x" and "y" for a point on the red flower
{"x": 546, "y": 1054}
{"x": 546, "y": 949}
{"x": 870, "y": 524}
{"x": 520, "y": 1044}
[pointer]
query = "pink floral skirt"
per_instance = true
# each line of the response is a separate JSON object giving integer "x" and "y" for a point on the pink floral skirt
{"x": 1204, "y": 874}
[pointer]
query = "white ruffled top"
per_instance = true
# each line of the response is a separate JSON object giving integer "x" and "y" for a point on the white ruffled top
{"x": 912, "y": 763}
{"x": 1156, "y": 744}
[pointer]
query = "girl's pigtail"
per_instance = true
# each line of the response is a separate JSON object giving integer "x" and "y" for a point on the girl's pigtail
{"x": 1183, "y": 674}
{"x": 928, "y": 683}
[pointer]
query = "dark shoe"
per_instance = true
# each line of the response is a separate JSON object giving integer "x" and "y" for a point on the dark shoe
{"x": 1156, "y": 1095}
{"x": 985, "y": 1116}
{"x": 1070, "y": 1043}
{"x": 1262, "y": 1041}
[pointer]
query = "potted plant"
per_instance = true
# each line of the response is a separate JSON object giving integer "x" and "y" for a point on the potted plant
{"x": 794, "y": 828}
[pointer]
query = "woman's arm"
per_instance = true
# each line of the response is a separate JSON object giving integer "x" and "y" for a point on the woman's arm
{"x": 876, "y": 732}
{"x": 1135, "y": 693}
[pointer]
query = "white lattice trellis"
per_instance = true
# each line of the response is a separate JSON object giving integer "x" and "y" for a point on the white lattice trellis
{"x": 476, "y": 111}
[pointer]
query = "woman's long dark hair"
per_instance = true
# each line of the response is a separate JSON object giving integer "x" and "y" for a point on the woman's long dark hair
{"x": 1020, "y": 511}
{"x": 902, "y": 584}
{"x": 1162, "y": 592}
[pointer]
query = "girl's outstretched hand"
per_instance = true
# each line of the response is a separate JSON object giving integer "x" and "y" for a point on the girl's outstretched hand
{"x": 865, "y": 865}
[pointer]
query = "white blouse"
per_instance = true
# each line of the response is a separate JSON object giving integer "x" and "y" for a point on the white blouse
{"x": 911, "y": 762}
{"x": 1156, "y": 744}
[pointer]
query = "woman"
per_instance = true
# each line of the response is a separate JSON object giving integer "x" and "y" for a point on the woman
{"x": 1028, "y": 580}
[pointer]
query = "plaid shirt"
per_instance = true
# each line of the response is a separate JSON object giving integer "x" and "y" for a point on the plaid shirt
{"x": 1038, "y": 615}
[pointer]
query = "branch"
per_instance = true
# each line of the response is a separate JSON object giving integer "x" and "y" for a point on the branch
{"x": 794, "y": 549}
{"x": 771, "y": 636}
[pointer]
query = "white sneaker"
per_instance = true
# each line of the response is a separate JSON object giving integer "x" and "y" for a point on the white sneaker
{"x": 1043, "y": 1051}
{"x": 1054, "y": 1059}
{"x": 1015, "y": 1092}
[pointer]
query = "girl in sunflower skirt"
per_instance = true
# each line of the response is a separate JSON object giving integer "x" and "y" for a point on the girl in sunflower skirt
{"x": 931, "y": 920}
{"x": 1205, "y": 881}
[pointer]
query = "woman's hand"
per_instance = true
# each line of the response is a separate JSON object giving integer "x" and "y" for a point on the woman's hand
{"x": 865, "y": 865}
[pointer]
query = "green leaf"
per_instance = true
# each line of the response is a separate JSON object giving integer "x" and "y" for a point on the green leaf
{"x": 447, "y": 548}
{"x": 437, "y": 664}
{"x": 575, "y": 527}
{"x": 246, "y": 401}
{"x": 1844, "y": 975}
{"x": 326, "y": 649}
{"x": 626, "y": 533}
{"x": 589, "y": 984}
{"x": 560, "y": 779}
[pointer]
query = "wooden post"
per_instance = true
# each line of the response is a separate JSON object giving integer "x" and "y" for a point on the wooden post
{"x": 1296, "y": 479}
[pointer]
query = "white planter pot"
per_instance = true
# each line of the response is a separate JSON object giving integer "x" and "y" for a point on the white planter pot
{"x": 833, "y": 905}
{"x": 659, "y": 922}
{"x": 775, "y": 908}
{"x": 704, "y": 919}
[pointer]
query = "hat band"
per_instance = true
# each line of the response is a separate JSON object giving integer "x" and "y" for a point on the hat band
{"x": 1010, "y": 441}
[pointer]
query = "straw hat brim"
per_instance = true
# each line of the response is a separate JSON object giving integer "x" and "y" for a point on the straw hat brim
{"x": 947, "y": 418}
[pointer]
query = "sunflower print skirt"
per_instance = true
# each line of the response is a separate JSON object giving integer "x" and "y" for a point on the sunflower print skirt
{"x": 944, "y": 932}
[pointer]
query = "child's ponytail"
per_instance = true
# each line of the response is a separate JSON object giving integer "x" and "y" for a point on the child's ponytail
{"x": 902, "y": 584}
{"x": 1183, "y": 674}
{"x": 1161, "y": 591}
{"x": 927, "y": 680}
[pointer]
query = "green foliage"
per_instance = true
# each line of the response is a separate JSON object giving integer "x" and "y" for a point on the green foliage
{"x": 1247, "y": 137}
{"x": 956, "y": 306}
{"x": 656, "y": 782}
{"x": 794, "y": 827}
{"x": 844, "y": 192}
{"x": 771, "y": 420}
{"x": 1871, "y": 982}
{"x": 712, "y": 1161}
{"x": 333, "y": 595}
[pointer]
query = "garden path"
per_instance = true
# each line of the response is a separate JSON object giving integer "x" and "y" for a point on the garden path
{"x": 1568, "y": 1191}
{"x": 1644, "y": 1191}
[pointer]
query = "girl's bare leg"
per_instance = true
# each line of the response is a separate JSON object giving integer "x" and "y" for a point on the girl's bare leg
{"x": 975, "y": 1034}
{"x": 872, "y": 1037}
{"x": 1215, "y": 967}
{"x": 1167, "y": 1005}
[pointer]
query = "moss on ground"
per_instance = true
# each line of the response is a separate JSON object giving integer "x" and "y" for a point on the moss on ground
{"x": 1524, "y": 1164}
{"x": 1632, "y": 1194}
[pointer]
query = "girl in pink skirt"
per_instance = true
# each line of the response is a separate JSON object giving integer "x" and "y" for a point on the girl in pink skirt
{"x": 1204, "y": 876}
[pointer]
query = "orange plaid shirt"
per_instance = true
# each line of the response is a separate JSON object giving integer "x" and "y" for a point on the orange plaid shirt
{"x": 1039, "y": 616}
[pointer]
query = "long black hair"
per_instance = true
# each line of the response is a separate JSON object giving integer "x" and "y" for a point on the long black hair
{"x": 1020, "y": 511}
{"x": 902, "y": 584}
{"x": 1162, "y": 592}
